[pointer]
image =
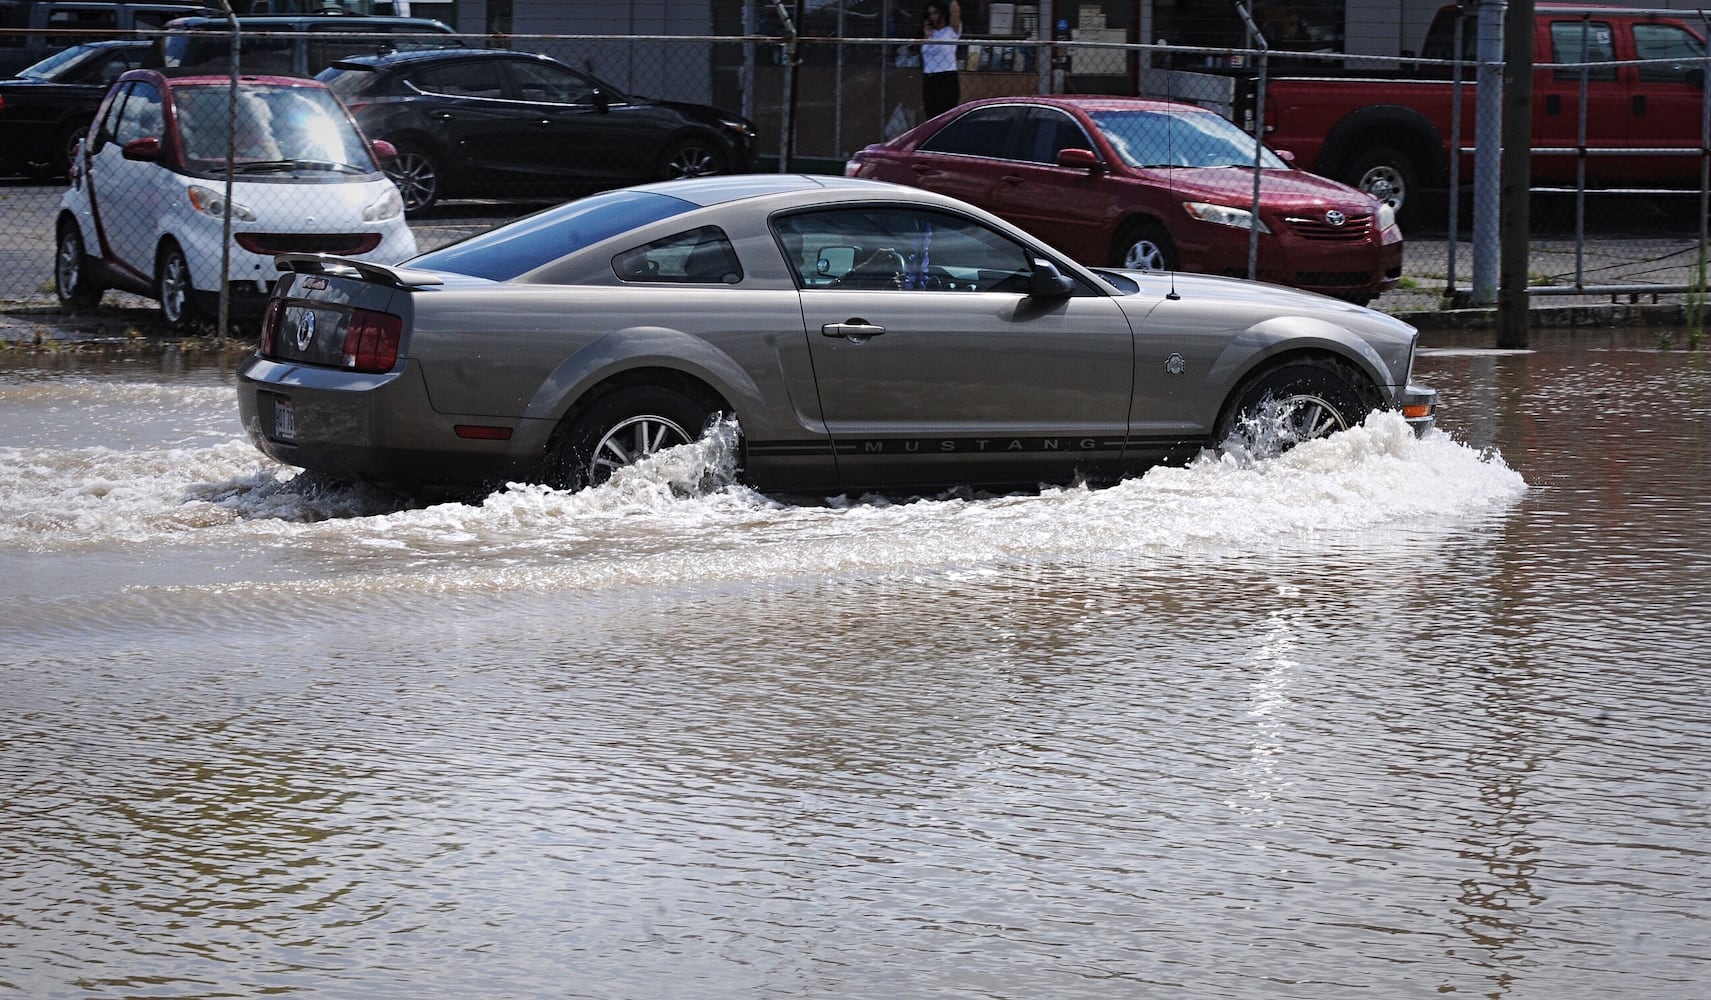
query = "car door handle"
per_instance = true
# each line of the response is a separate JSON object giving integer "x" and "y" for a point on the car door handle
{"x": 444, "y": 116}
{"x": 856, "y": 331}
{"x": 545, "y": 123}
{"x": 1011, "y": 179}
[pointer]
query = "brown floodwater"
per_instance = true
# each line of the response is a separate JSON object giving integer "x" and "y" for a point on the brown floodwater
{"x": 1378, "y": 717}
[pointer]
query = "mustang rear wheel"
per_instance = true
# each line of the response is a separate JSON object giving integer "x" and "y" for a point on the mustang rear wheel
{"x": 1297, "y": 402}
{"x": 72, "y": 282}
{"x": 620, "y": 429}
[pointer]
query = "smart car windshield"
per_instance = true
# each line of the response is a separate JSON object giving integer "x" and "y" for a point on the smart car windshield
{"x": 1191, "y": 139}
{"x": 278, "y": 129}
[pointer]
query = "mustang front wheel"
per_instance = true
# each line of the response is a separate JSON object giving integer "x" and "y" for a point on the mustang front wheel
{"x": 621, "y": 429}
{"x": 1297, "y": 402}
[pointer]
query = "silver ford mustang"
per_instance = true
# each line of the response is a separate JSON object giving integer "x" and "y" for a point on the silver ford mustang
{"x": 864, "y": 336}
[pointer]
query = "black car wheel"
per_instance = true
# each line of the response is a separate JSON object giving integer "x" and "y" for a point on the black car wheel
{"x": 1144, "y": 246}
{"x": 72, "y": 139}
{"x": 692, "y": 158}
{"x": 1296, "y": 402}
{"x": 620, "y": 429}
{"x": 76, "y": 287}
{"x": 417, "y": 176}
{"x": 174, "y": 289}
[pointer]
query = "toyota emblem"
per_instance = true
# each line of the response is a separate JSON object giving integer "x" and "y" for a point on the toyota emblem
{"x": 1335, "y": 218}
{"x": 305, "y": 329}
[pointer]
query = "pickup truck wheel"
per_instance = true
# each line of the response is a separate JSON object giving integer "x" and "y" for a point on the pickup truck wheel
{"x": 1385, "y": 173}
{"x": 1144, "y": 246}
{"x": 1295, "y": 402}
{"x": 620, "y": 429}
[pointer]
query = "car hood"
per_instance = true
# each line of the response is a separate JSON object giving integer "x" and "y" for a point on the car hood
{"x": 1279, "y": 189}
{"x": 1237, "y": 304}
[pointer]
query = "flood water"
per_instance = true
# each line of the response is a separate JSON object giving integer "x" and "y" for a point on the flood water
{"x": 1380, "y": 717}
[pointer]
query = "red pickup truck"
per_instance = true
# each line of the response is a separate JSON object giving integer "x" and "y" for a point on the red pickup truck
{"x": 1645, "y": 90}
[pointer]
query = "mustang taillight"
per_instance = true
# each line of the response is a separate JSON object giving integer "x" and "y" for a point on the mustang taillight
{"x": 270, "y": 326}
{"x": 371, "y": 341}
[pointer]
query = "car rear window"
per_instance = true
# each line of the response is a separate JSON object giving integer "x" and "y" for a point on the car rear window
{"x": 535, "y": 240}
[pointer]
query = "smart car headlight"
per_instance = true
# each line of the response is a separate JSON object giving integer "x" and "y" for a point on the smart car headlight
{"x": 211, "y": 202}
{"x": 388, "y": 206}
{"x": 1224, "y": 215}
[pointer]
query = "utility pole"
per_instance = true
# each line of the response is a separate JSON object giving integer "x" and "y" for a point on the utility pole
{"x": 1512, "y": 303}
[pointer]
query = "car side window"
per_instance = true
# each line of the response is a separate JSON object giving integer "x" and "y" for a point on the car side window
{"x": 1667, "y": 42}
{"x": 981, "y": 132}
{"x": 482, "y": 78}
{"x": 890, "y": 248}
{"x": 1580, "y": 41}
{"x": 1048, "y": 131}
{"x": 545, "y": 84}
{"x": 141, "y": 116}
{"x": 698, "y": 257}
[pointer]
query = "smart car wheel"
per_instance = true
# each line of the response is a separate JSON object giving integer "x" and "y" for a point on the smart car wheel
{"x": 1144, "y": 246}
{"x": 692, "y": 158}
{"x": 1297, "y": 402}
{"x": 173, "y": 287}
{"x": 620, "y": 429}
{"x": 417, "y": 177}
{"x": 72, "y": 281}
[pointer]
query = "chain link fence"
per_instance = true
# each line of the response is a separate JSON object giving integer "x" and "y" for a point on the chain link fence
{"x": 1613, "y": 216}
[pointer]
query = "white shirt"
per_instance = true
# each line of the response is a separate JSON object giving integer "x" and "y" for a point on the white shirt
{"x": 937, "y": 56}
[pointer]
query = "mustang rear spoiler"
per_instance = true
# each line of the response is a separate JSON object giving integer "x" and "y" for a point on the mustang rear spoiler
{"x": 380, "y": 274}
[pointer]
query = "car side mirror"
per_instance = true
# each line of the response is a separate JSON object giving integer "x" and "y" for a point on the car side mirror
{"x": 602, "y": 103}
{"x": 1080, "y": 159}
{"x": 1286, "y": 156}
{"x": 384, "y": 150}
{"x": 146, "y": 149}
{"x": 1047, "y": 282}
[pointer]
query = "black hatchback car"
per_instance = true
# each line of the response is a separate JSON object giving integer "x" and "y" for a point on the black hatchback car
{"x": 489, "y": 122}
{"x": 45, "y": 109}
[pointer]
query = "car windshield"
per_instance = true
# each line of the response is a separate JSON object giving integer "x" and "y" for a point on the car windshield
{"x": 1180, "y": 139}
{"x": 295, "y": 128}
{"x": 47, "y": 68}
{"x": 530, "y": 242}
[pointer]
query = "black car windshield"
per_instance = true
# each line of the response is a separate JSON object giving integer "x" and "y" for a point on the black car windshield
{"x": 50, "y": 67}
{"x": 298, "y": 127}
{"x": 1189, "y": 139}
{"x": 521, "y": 246}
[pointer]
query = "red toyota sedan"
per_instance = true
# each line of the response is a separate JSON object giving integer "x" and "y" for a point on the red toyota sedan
{"x": 1148, "y": 185}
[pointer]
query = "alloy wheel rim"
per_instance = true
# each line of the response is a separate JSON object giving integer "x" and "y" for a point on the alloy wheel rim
{"x": 70, "y": 261}
{"x": 173, "y": 288}
{"x": 632, "y": 440}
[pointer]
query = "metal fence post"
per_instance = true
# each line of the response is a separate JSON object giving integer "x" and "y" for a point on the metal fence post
{"x": 1488, "y": 143}
{"x": 225, "y": 311}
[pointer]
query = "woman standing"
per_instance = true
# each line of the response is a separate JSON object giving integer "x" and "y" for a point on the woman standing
{"x": 940, "y": 90}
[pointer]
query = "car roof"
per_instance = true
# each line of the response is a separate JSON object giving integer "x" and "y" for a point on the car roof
{"x": 721, "y": 189}
{"x": 1093, "y": 103}
{"x": 293, "y": 22}
{"x": 380, "y": 60}
{"x": 169, "y": 79}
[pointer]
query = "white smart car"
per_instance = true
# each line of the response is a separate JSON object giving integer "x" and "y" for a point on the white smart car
{"x": 146, "y": 208}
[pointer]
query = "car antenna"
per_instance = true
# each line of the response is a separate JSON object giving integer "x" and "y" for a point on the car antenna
{"x": 1170, "y": 158}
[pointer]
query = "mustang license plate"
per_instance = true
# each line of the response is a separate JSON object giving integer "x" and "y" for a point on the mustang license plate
{"x": 284, "y": 419}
